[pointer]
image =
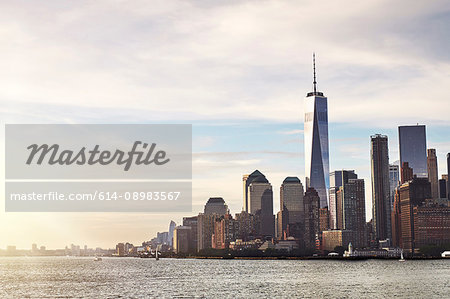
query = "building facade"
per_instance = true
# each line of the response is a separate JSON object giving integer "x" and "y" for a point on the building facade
{"x": 431, "y": 224}
{"x": 354, "y": 210}
{"x": 334, "y": 238}
{"x": 248, "y": 226}
{"x": 181, "y": 236}
{"x": 260, "y": 199}
{"x": 413, "y": 148}
{"x": 192, "y": 222}
{"x": 225, "y": 231}
{"x": 205, "y": 230}
{"x": 394, "y": 181}
{"x": 412, "y": 194}
{"x": 442, "y": 188}
{"x": 291, "y": 203}
{"x": 381, "y": 198}
{"x": 433, "y": 172}
{"x": 246, "y": 180}
{"x": 337, "y": 178}
{"x": 312, "y": 220}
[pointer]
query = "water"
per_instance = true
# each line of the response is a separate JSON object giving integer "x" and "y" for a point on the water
{"x": 70, "y": 277}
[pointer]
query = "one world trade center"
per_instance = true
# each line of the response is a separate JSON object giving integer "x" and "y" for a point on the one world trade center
{"x": 316, "y": 142}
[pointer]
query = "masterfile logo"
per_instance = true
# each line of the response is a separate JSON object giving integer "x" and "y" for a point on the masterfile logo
{"x": 91, "y": 157}
{"x": 140, "y": 168}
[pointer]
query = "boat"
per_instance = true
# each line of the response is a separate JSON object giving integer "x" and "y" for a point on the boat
{"x": 401, "y": 257}
{"x": 445, "y": 254}
{"x": 97, "y": 259}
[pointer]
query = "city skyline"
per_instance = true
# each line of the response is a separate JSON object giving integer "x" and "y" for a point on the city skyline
{"x": 213, "y": 66}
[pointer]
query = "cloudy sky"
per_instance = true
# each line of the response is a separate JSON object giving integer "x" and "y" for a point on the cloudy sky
{"x": 238, "y": 71}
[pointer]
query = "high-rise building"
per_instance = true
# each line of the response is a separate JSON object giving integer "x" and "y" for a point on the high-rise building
{"x": 247, "y": 179}
{"x": 381, "y": 202}
{"x": 291, "y": 202}
{"x": 181, "y": 236}
{"x": 354, "y": 210}
{"x": 192, "y": 222}
{"x": 312, "y": 220}
{"x": 172, "y": 226}
{"x": 282, "y": 224}
{"x": 216, "y": 205}
{"x": 413, "y": 148}
{"x": 412, "y": 194}
{"x": 248, "y": 226}
{"x": 337, "y": 178}
{"x": 433, "y": 172}
{"x": 442, "y": 188}
{"x": 396, "y": 220}
{"x": 205, "y": 230}
{"x": 225, "y": 231}
{"x": 316, "y": 142}
{"x": 324, "y": 219}
{"x": 260, "y": 203}
{"x": 394, "y": 181}
{"x": 406, "y": 173}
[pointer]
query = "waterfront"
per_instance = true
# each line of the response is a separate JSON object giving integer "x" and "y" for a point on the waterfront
{"x": 76, "y": 277}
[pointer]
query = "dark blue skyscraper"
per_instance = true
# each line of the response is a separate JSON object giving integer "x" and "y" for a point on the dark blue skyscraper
{"x": 316, "y": 143}
{"x": 413, "y": 148}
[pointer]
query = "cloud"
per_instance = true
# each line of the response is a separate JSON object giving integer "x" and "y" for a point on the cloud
{"x": 291, "y": 132}
{"x": 243, "y": 60}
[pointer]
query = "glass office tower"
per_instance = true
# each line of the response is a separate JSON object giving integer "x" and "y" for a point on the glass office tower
{"x": 413, "y": 148}
{"x": 394, "y": 179}
{"x": 337, "y": 179}
{"x": 316, "y": 143}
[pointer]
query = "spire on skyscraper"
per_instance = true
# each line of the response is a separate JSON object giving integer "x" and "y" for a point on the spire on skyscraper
{"x": 314, "y": 72}
{"x": 314, "y": 92}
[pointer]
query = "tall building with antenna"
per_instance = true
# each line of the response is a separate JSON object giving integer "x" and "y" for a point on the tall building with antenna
{"x": 316, "y": 142}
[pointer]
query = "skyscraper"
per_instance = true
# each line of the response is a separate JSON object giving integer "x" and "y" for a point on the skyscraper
{"x": 394, "y": 180}
{"x": 247, "y": 179}
{"x": 260, "y": 202}
{"x": 291, "y": 199}
{"x": 192, "y": 222}
{"x": 316, "y": 142}
{"x": 181, "y": 236}
{"x": 381, "y": 203}
{"x": 337, "y": 178}
{"x": 312, "y": 219}
{"x": 412, "y": 194}
{"x": 354, "y": 210}
{"x": 433, "y": 172}
{"x": 442, "y": 188}
{"x": 205, "y": 230}
{"x": 413, "y": 148}
{"x": 172, "y": 226}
